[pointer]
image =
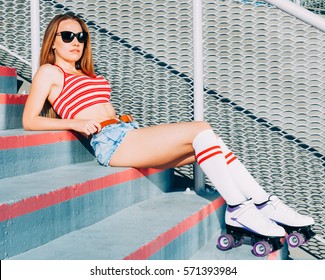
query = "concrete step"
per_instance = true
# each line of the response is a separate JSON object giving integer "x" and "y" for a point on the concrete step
{"x": 8, "y": 79}
{"x": 23, "y": 152}
{"x": 39, "y": 207}
{"x": 11, "y": 110}
{"x": 169, "y": 226}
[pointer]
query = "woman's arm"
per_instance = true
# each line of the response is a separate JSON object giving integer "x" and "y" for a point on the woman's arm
{"x": 44, "y": 81}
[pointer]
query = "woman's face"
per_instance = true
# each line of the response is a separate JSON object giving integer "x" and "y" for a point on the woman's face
{"x": 69, "y": 52}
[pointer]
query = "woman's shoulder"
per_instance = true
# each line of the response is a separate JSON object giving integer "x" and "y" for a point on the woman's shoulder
{"x": 48, "y": 71}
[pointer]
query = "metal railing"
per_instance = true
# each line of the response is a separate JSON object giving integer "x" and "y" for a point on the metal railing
{"x": 299, "y": 12}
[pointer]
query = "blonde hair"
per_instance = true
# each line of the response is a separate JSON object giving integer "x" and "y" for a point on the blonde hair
{"x": 85, "y": 63}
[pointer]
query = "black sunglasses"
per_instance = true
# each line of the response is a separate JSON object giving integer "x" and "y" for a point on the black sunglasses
{"x": 68, "y": 36}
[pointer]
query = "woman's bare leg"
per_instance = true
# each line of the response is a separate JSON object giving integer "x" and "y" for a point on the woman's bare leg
{"x": 171, "y": 145}
{"x": 161, "y": 146}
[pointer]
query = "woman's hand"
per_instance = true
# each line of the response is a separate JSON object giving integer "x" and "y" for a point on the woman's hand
{"x": 87, "y": 127}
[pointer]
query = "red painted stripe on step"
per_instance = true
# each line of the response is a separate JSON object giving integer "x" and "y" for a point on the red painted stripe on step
{"x": 29, "y": 140}
{"x": 13, "y": 99}
{"x": 32, "y": 204}
{"x": 7, "y": 71}
{"x": 162, "y": 240}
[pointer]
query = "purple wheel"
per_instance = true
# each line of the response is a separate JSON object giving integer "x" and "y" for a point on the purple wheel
{"x": 225, "y": 242}
{"x": 261, "y": 249}
{"x": 295, "y": 239}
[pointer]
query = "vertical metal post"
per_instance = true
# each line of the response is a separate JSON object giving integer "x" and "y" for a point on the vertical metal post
{"x": 199, "y": 178}
{"x": 35, "y": 34}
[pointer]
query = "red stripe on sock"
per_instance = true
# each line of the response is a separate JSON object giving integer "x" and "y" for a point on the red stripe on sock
{"x": 228, "y": 155}
{"x": 207, "y": 157}
{"x": 207, "y": 150}
{"x": 231, "y": 156}
{"x": 231, "y": 160}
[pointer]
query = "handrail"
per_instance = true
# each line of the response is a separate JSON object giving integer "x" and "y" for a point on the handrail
{"x": 300, "y": 13}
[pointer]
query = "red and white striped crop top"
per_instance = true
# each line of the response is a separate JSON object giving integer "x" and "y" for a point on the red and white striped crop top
{"x": 80, "y": 92}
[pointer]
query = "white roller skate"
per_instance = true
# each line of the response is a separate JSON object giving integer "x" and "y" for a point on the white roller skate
{"x": 245, "y": 220}
{"x": 297, "y": 226}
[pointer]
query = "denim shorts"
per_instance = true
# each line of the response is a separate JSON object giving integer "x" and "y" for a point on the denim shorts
{"x": 106, "y": 142}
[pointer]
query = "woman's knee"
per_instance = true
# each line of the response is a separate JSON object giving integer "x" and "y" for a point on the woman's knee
{"x": 201, "y": 126}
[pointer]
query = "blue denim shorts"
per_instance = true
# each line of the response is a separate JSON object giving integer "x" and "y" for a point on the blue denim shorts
{"x": 106, "y": 142}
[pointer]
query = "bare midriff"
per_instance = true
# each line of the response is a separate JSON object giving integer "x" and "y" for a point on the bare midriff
{"x": 98, "y": 112}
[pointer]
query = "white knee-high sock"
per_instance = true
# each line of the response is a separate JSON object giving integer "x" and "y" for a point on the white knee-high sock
{"x": 212, "y": 161}
{"x": 243, "y": 179}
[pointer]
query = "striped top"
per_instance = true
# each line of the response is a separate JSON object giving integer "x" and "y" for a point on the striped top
{"x": 80, "y": 92}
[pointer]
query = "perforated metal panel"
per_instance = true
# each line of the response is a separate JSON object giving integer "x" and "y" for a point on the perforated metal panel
{"x": 265, "y": 71}
{"x": 316, "y": 6}
{"x": 15, "y": 36}
{"x": 263, "y": 76}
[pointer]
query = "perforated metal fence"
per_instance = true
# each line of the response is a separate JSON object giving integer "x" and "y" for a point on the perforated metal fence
{"x": 265, "y": 71}
{"x": 316, "y": 6}
{"x": 263, "y": 75}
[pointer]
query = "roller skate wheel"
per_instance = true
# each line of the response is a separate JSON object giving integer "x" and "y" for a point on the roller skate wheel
{"x": 261, "y": 249}
{"x": 225, "y": 242}
{"x": 295, "y": 239}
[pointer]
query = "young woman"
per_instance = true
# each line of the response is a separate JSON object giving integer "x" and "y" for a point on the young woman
{"x": 66, "y": 81}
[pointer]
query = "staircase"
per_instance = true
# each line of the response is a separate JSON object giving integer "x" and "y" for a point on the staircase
{"x": 57, "y": 202}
